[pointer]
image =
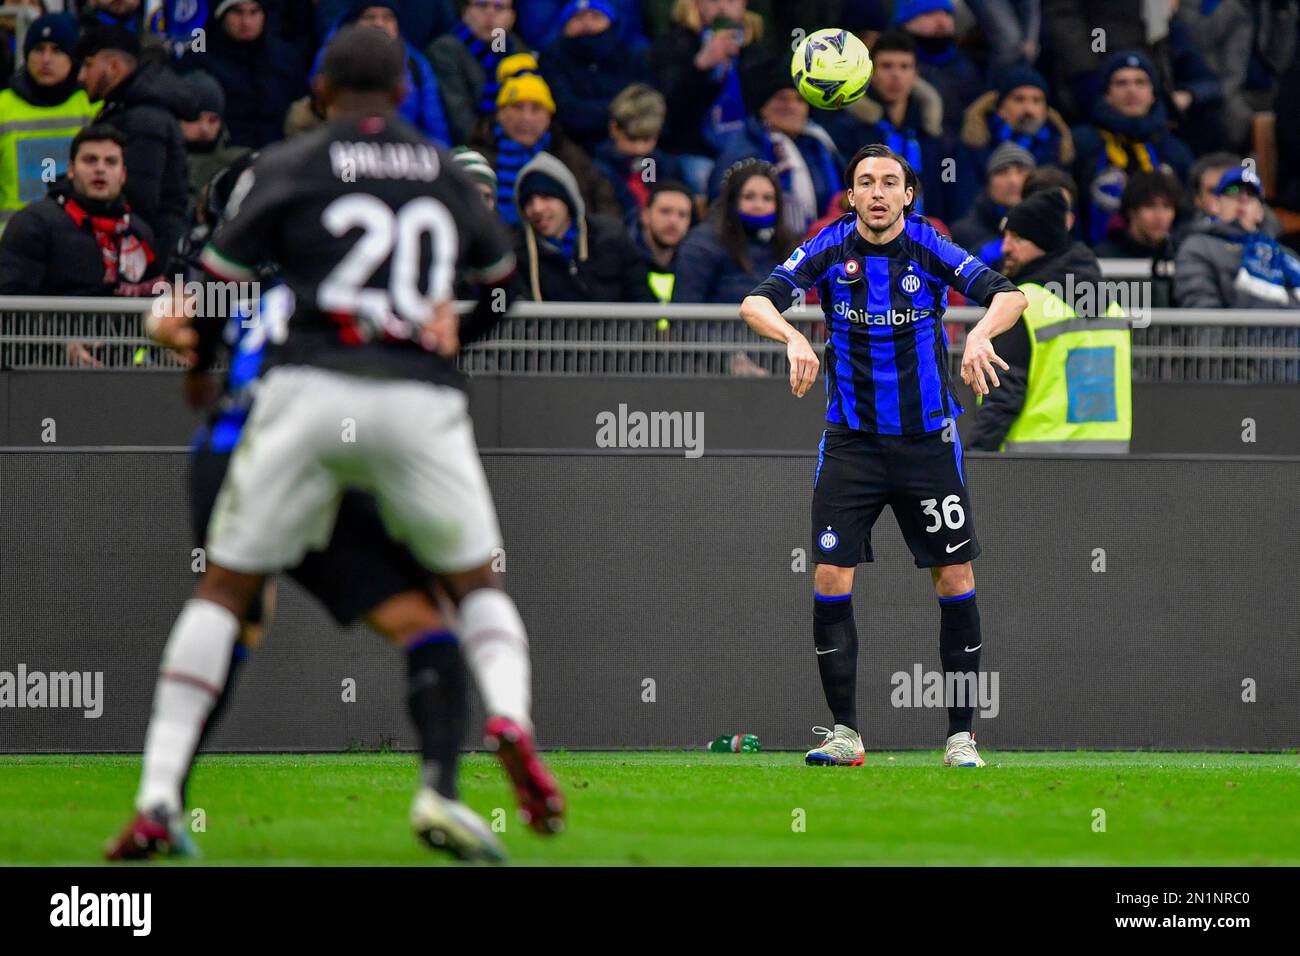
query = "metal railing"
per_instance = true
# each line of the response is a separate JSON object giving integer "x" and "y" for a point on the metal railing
{"x": 1169, "y": 345}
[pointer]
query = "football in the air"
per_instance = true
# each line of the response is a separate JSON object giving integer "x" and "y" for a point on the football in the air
{"x": 831, "y": 68}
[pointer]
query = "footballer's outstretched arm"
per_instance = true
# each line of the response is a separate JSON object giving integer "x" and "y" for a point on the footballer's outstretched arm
{"x": 761, "y": 314}
{"x": 979, "y": 357}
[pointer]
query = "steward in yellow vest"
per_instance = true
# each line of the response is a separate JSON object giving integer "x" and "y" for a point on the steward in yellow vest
{"x": 1069, "y": 388}
{"x": 39, "y": 114}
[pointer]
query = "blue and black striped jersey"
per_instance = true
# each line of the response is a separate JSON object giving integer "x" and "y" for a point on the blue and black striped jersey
{"x": 886, "y": 359}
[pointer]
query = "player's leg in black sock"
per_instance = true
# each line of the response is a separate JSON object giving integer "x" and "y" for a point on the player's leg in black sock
{"x": 836, "y": 639}
{"x": 438, "y": 696}
{"x": 959, "y": 650}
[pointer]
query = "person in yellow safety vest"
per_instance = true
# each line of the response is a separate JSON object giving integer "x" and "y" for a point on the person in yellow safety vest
{"x": 657, "y": 232}
{"x": 1069, "y": 388}
{"x": 40, "y": 112}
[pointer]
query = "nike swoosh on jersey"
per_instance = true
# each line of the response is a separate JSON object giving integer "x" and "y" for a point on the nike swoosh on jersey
{"x": 975, "y": 648}
{"x": 953, "y": 547}
{"x": 831, "y": 650}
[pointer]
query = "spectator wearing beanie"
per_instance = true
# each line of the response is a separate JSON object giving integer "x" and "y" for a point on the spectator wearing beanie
{"x": 206, "y": 138}
{"x": 1017, "y": 112}
{"x": 1228, "y": 262}
{"x": 932, "y": 24}
{"x": 144, "y": 102}
{"x": 587, "y": 65}
{"x": 802, "y": 153}
{"x": 422, "y": 107}
{"x": 1128, "y": 134}
{"x": 260, "y": 74}
{"x": 522, "y": 128}
{"x": 905, "y": 113}
{"x": 479, "y": 170}
{"x": 540, "y": 22}
{"x": 565, "y": 255}
{"x": 1193, "y": 95}
{"x": 980, "y": 230}
{"x": 40, "y": 112}
{"x": 631, "y": 158}
{"x": 701, "y": 71}
{"x": 1041, "y": 258}
{"x": 466, "y": 60}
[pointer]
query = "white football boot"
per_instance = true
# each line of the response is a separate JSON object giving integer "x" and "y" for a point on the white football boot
{"x": 960, "y": 751}
{"x": 841, "y": 748}
{"x": 454, "y": 828}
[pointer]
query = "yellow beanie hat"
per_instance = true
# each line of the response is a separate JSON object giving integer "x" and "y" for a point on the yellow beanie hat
{"x": 526, "y": 88}
{"x": 521, "y": 83}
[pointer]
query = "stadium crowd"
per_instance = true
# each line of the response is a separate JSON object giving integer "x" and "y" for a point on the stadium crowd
{"x": 656, "y": 150}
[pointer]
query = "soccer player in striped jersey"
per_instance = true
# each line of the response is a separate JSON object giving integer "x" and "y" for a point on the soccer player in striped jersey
{"x": 883, "y": 276}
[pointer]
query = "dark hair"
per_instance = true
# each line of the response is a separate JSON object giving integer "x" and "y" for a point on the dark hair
{"x": 364, "y": 60}
{"x": 881, "y": 151}
{"x": 1044, "y": 178}
{"x": 1207, "y": 162}
{"x": 894, "y": 41}
{"x": 98, "y": 133}
{"x": 726, "y": 217}
{"x": 670, "y": 186}
{"x": 1144, "y": 188}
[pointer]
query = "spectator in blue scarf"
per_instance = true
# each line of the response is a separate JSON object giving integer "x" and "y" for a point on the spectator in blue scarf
{"x": 801, "y": 152}
{"x": 905, "y": 113}
{"x": 1228, "y": 263}
{"x": 466, "y": 60}
{"x": 1016, "y": 111}
{"x": 1129, "y": 133}
{"x": 422, "y": 107}
{"x": 587, "y": 66}
{"x": 523, "y": 128}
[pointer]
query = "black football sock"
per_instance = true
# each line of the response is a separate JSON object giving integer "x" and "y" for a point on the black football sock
{"x": 237, "y": 657}
{"x": 438, "y": 695}
{"x": 836, "y": 637}
{"x": 959, "y": 650}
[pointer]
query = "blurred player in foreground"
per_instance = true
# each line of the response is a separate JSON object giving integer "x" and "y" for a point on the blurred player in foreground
{"x": 883, "y": 276}
{"x": 368, "y": 224}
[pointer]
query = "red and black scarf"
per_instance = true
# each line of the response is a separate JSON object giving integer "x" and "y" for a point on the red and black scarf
{"x": 122, "y": 253}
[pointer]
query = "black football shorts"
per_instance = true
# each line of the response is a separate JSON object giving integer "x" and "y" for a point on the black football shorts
{"x": 360, "y": 567}
{"x": 922, "y": 479}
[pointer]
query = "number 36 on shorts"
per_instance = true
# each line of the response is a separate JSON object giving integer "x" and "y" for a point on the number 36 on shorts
{"x": 952, "y": 514}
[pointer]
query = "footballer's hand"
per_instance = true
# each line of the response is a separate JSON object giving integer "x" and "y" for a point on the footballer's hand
{"x": 803, "y": 365}
{"x": 441, "y": 333}
{"x": 978, "y": 361}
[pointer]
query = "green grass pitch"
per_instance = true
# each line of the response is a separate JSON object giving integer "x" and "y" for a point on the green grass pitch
{"x": 679, "y": 808}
